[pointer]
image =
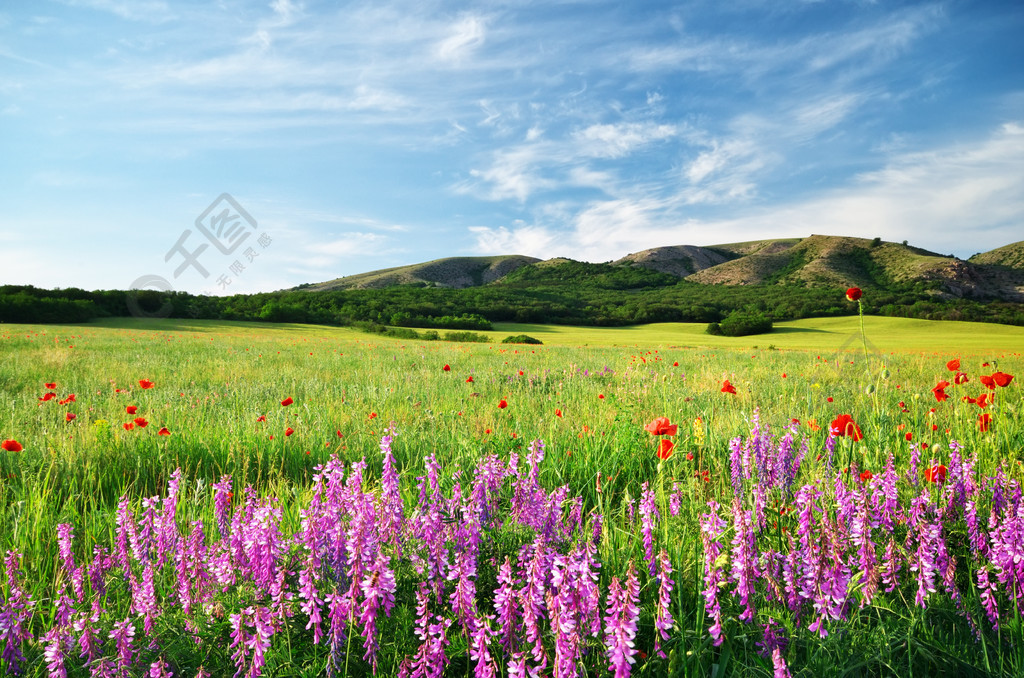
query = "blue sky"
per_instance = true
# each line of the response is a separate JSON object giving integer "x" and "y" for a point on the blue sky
{"x": 363, "y": 135}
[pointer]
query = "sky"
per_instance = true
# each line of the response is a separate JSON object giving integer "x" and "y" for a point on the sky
{"x": 227, "y": 147}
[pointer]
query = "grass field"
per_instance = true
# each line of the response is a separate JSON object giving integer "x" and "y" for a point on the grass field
{"x": 761, "y": 543}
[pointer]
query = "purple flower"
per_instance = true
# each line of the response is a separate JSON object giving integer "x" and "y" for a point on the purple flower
{"x": 663, "y": 621}
{"x": 222, "y": 506}
{"x": 620, "y": 623}
{"x": 123, "y": 635}
{"x": 648, "y": 517}
{"x": 506, "y": 607}
{"x": 744, "y": 560}
{"x": 711, "y": 529}
{"x": 378, "y": 588}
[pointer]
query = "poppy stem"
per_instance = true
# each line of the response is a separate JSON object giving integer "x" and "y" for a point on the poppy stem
{"x": 863, "y": 335}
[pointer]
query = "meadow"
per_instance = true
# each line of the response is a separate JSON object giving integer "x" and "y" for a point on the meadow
{"x": 196, "y": 498}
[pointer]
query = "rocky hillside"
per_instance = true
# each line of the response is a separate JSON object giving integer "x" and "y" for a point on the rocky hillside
{"x": 457, "y": 272}
{"x": 818, "y": 260}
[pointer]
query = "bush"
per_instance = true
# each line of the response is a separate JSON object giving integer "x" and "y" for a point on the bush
{"x": 521, "y": 339}
{"x": 744, "y": 323}
{"x": 714, "y": 329}
{"x": 465, "y": 336}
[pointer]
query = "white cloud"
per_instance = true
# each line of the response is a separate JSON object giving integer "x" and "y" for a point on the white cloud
{"x": 152, "y": 11}
{"x": 619, "y": 140}
{"x": 465, "y": 36}
{"x": 930, "y": 198}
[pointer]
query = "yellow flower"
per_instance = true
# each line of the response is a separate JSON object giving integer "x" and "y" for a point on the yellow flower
{"x": 698, "y": 432}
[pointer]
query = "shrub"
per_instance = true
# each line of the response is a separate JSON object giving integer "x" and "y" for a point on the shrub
{"x": 745, "y": 323}
{"x": 465, "y": 336}
{"x": 521, "y": 339}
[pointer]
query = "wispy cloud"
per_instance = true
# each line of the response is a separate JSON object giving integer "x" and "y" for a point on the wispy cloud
{"x": 930, "y": 198}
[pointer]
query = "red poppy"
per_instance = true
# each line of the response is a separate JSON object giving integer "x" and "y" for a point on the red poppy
{"x": 262, "y": 417}
{"x": 843, "y": 425}
{"x": 469, "y": 379}
{"x": 520, "y": 373}
{"x": 51, "y": 385}
{"x": 854, "y": 293}
{"x": 828, "y": 399}
{"x": 988, "y": 380}
{"x": 953, "y": 365}
{"x": 600, "y": 396}
{"x": 163, "y": 432}
{"x": 69, "y": 399}
{"x": 288, "y": 431}
{"x": 487, "y": 431}
{"x": 940, "y": 391}
{"x": 558, "y": 413}
{"x": 984, "y": 400}
{"x": 48, "y": 396}
{"x": 984, "y": 420}
{"x": 140, "y": 422}
{"x": 935, "y": 474}
{"x": 70, "y": 416}
{"x": 373, "y": 415}
{"x": 128, "y": 426}
{"x": 909, "y": 437}
{"x": 447, "y": 368}
{"x": 665, "y": 448}
{"x": 866, "y": 476}
{"x": 502, "y": 404}
{"x": 287, "y": 401}
{"x": 131, "y": 409}
{"x": 727, "y": 387}
{"x": 1002, "y": 379}
{"x": 661, "y": 427}
{"x": 960, "y": 378}
{"x": 146, "y": 383}
{"x": 675, "y": 364}
{"x": 11, "y": 446}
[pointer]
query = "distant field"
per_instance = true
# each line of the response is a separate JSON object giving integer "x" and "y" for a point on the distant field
{"x": 814, "y": 334}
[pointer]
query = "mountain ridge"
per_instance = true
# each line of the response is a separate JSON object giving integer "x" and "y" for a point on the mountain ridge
{"x": 813, "y": 261}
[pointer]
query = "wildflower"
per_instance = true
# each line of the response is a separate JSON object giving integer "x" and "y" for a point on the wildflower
{"x": 661, "y": 427}
{"x": 935, "y": 474}
{"x": 843, "y": 425}
{"x": 558, "y": 412}
{"x": 287, "y": 401}
{"x": 866, "y": 476}
{"x": 988, "y": 381}
{"x": 146, "y": 383}
{"x": 502, "y": 404}
{"x": 48, "y": 396}
{"x": 620, "y": 623}
{"x": 50, "y": 385}
{"x": 854, "y": 293}
{"x": 1002, "y": 379}
{"x": 953, "y": 365}
{"x": 665, "y": 448}
{"x": 70, "y": 416}
{"x": 131, "y": 409}
{"x": 141, "y": 422}
{"x": 163, "y": 432}
{"x": 288, "y": 431}
{"x": 960, "y": 378}
{"x": 727, "y": 387}
{"x": 373, "y": 415}
{"x": 260, "y": 418}
{"x": 469, "y": 379}
{"x": 447, "y": 368}
{"x": 940, "y": 391}
{"x": 984, "y": 420}
{"x": 128, "y": 426}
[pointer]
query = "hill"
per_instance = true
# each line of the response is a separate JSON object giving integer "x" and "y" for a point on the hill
{"x": 455, "y": 272}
